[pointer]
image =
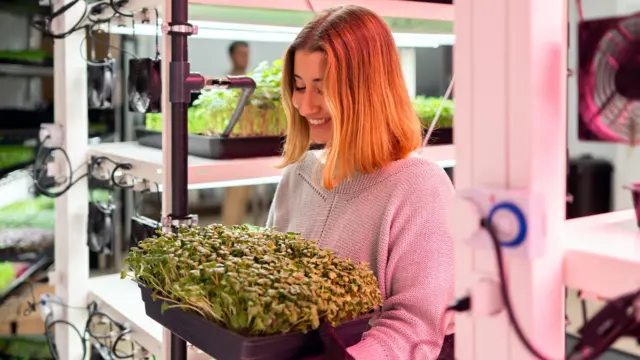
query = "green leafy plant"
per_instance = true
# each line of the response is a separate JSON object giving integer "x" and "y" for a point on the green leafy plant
{"x": 253, "y": 281}
{"x": 427, "y": 107}
{"x": 262, "y": 116}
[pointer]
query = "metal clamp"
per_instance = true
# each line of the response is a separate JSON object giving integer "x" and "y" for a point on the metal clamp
{"x": 172, "y": 222}
{"x": 179, "y": 29}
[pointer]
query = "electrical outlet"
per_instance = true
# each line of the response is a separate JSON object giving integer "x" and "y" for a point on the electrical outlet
{"x": 517, "y": 218}
{"x": 51, "y": 135}
{"x": 51, "y": 307}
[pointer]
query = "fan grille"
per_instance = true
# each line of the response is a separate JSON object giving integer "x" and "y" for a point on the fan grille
{"x": 611, "y": 108}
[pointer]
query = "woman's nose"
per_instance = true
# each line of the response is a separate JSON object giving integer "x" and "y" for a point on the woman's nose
{"x": 307, "y": 107}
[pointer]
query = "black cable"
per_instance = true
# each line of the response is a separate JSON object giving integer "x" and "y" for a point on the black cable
{"x": 504, "y": 292}
{"x": 585, "y": 312}
{"x": 157, "y": 34}
{"x": 112, "y": 176}
{"x": 87, "y": 334}
{"x": 123, "y": 166}
{"x": 108, "y": 44}
{"x": 115, "y": 9}
{"x": 53, "y": 349}
{"x": 45, "y": 25}
{"x": 123, "y": 330}
{"x": 310, "y": 6}
{"x": 114, "y": 347}
{"x": 40, "y": 170}
{"x": 461, "y": 305}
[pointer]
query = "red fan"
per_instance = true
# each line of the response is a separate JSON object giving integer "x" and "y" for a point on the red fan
{"x": 609, "y": 79}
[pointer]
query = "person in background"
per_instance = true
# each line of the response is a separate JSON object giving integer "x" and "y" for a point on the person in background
{"x": 368, "y": 196}
{"x": 239, "y": 55}
{"x": 236, "y": 198}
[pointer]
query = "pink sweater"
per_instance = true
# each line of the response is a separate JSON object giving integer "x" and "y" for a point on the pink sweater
{"x": 395, "y": 220}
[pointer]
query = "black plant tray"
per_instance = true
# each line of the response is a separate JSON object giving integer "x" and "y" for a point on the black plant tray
{"x": 211, "y": 147}
{"x": 223, "y": 344}
{"x": 443, "y": 136}
{"x": 249, "y": 147}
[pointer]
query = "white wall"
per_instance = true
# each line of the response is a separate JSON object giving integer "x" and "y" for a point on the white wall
{"x": 430, "y": 68}
{"x": 626, "y": 160}
{"x": 210, "y": 57}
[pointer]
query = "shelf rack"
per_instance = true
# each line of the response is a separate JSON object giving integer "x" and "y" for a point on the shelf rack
{"x": 8, "y": 69}
{"x": 121, "y": 298}
{"x": 206, "y": 174}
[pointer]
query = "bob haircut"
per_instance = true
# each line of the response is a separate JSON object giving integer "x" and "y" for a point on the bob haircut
{"x": 373, "y": 120}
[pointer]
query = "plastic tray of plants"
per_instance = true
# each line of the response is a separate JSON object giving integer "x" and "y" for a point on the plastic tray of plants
{"x": 15, "y": 157}
{"x": 244, "y": 292}
{"x": 26, "y": 229}
{"x": 260, "y": 130}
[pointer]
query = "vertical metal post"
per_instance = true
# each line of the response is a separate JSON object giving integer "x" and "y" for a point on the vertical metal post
{"x": 178, "y": 70}
{"x": 71, "y": 275}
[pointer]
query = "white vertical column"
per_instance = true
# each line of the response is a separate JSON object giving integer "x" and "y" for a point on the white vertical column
{"x": 510, "y": 69}
{"x": 71, "y": 210}
{"x": 165, "y": 55}
{"x": 408, "y": 64}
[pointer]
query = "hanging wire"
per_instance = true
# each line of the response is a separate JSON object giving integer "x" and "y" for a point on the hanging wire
{"x": 447, "y": 94}
{"x": 580, "y": 12}
{"x": 157, "y": 34}
{"x": 310, "y": 5}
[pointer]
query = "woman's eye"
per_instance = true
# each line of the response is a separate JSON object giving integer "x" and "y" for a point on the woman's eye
{"x": 299, "y": 88}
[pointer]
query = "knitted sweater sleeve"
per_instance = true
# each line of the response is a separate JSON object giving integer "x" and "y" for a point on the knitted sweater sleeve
{"x": 419, "y": 274}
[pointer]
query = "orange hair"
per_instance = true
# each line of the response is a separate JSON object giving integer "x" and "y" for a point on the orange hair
{"x": 373, "y": 120}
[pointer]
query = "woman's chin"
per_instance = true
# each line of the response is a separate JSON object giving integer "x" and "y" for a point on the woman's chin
{"x": 319, "y": 140}
{"x": 320, "y": 135}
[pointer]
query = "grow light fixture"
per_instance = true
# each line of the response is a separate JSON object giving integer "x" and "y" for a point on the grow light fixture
{"x": 268, "y": 33}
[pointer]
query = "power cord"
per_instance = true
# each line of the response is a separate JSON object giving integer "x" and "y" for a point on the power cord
{"x": 40, "y": 171}
{"x": 115, "y": 7}
{"x": 504, "y": 292}
{"x": 118, "y": 167}
{"x": 53, "y": 349}
{"x": 52, "y": 308}
{"x": 44, "y": 25}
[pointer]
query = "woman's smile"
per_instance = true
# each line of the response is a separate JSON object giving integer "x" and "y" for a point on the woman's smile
{"x": 319, "y": 122}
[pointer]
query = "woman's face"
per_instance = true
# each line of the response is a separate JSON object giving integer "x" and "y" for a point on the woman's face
{"x": 308, "y": 97}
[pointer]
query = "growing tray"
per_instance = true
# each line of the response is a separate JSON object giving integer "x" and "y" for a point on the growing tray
{"x": 223, "y": 344}
{"x": 248, "y": 147}
{"x": 220, "y": 148}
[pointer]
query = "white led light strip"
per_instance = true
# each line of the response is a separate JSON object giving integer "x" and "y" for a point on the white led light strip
{"x": 266, "y": 33}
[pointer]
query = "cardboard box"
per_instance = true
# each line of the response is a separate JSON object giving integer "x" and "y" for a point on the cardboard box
{"x": 13, "y": 312}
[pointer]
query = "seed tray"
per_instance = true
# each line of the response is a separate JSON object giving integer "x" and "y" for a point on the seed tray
{"x": 223, "y": 344}
{"x": 218, "y": 148}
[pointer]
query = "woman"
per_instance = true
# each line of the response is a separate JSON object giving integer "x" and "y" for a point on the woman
{"x": 367, "y": 196}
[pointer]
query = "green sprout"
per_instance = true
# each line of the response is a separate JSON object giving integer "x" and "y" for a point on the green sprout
{"x": 427, "y": 107}
{"x": 253, "y": 281}
{"x": 262, "y": 116}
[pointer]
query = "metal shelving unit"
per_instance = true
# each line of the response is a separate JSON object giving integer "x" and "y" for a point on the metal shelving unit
{"x": 121, "y": 299}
